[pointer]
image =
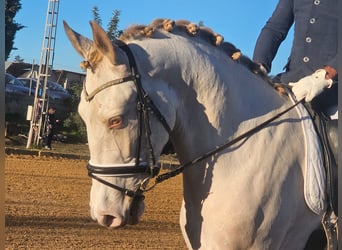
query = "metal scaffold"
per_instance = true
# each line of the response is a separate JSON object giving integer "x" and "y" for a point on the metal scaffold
{"x": 37, "y": 112}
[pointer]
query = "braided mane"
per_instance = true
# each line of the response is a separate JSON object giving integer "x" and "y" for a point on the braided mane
{"x": 139, "y": 32}
{"x": 192, "y": 29}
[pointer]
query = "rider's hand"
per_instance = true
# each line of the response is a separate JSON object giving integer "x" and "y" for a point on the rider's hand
{"x": 311, "y": 86}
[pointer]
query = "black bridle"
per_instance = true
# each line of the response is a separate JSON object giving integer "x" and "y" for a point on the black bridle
{"x": 145, "y": 106}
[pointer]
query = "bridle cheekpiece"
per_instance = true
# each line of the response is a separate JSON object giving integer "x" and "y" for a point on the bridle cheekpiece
{"x": 145, "y": 106}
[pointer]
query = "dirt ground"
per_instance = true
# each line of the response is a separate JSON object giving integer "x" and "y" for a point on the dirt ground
{"x": 46, "y": 207}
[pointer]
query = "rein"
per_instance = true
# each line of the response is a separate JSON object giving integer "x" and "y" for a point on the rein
{"x": 180, "y": 169}
{"x": 144, "y": 107}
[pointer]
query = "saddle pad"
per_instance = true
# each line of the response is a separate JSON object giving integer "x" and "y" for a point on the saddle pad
{"x": 314, "y": 173}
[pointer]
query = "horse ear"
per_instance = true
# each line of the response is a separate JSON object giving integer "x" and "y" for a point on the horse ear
{"x": 82, "y": 44}
{"x": 102, "y": 42}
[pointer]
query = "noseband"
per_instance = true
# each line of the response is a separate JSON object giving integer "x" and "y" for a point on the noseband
{"x": 145, "y": 106}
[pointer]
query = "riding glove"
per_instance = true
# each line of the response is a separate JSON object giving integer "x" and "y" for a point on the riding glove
{"x": 310, "y": 86}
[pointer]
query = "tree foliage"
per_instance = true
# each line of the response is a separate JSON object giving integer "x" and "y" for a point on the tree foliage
{"x": 74, "y": 123}
{"x": 18, "y": 59}
{"x": 11, "y": 27}
{"x": 113, "y": 31}
{"x": 96, "y": 15}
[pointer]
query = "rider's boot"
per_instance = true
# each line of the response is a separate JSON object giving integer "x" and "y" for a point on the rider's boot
{"x": 332, "y": 133}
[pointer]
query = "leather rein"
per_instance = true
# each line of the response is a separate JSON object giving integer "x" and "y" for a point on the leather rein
{"x": 145, "y": 106}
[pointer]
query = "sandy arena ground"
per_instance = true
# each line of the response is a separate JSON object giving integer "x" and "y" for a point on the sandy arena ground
{"x": 47, "y": 208}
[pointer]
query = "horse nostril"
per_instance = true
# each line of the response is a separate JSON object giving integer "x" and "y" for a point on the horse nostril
{"x": 108, "y": 220}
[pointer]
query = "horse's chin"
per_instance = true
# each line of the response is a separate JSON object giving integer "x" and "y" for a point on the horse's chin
{"x": 136, "y": 211}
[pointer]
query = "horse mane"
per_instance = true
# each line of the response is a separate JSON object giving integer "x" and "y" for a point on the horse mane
{"x": 189, "y": 29}
{"x": 179, "y": 27}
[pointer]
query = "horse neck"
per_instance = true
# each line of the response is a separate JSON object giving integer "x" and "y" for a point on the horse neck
{"x": 218, "y": 115}
{"x": 214, "y": 94}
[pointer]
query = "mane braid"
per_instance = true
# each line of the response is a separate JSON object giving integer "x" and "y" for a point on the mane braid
{"x": 188, "y": 29}
{"x": 179, "y": 27}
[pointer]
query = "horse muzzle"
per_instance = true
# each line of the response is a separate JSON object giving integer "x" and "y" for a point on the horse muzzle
{"x": 110, "y": 219}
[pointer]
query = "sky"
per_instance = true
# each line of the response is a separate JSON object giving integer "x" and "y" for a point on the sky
{"x": 238, "y": 21}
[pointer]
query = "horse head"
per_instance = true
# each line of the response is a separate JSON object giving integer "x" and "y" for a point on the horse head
{"x": 119, "y": 121}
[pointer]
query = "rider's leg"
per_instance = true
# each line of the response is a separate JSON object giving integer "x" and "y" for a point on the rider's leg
{"x": 332, "y": 130}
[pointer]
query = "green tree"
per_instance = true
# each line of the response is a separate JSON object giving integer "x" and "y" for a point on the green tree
{"x": 11, "y": 27}
{"x": 96, "y": 15}
{"x": 113, "y": 31}
{"x": 74, "y": 124}
{"x": 18, "y": 59}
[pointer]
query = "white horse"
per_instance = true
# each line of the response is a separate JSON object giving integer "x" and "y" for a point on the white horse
{"x": 247, "y": 196}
